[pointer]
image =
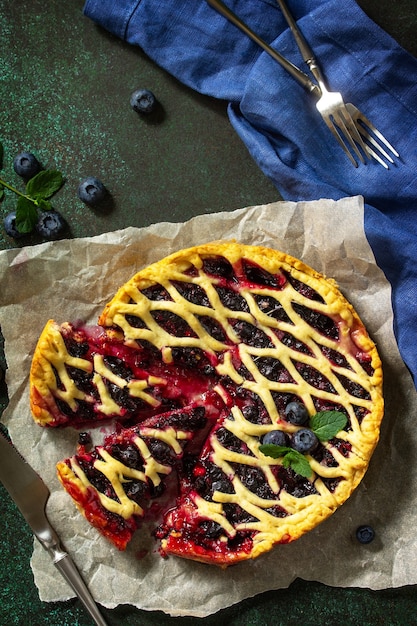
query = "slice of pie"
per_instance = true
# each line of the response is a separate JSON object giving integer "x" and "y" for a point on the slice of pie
{"x": 288, "y": 377}
{"x": 114, "y": 484}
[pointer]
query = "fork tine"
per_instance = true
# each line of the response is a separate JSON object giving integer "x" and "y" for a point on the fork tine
{"x": 371, "y": 143}
{"x": 345, "y": 126}
{"x": 354, "y": 136}
{"x": 364, "y": 120}
{"x": 364, "y": 125}
{"x": 376, "y": 156}
{"x": 339, "y": 139}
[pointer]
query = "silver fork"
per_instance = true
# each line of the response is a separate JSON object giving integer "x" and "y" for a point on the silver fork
{"x": 346, "y": 116}
{"x": 347, "y": 124}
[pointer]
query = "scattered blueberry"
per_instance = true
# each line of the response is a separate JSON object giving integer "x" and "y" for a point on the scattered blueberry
{"x": 91, "y": 190}
{"x": 276, "y": 437}
{"x": 365, "y": 534}
{"x": 26, "y": 165}
{"x": 84, "y": 439}
{"x": 9, "y": 223}
{"x": 304, "y": 441}
{"x": 50, "y": 224}
{"x": 143, "y": 101}
{"x": 296, "y": 413}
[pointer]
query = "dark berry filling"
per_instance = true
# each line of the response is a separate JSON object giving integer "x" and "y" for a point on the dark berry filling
{"x": 191, "y": 420}
{"x": 254, "y": 479}
{"x": 83, "y": 380}
{"x": 360, "y": 412}
{"x": 172, "y": 323}
{"x": 219, "y": 267}
{"x": 251, "y": 335}
{"x": 303, "y": 289}
{"x": 118, "y": 367}
{"x": 320, "y": 322}
{"x": 232, "y": 300}
{"x": 293, "y": 483}
{"x": 335, "y": 357}
{"x": 231, "y": 442}
{"x": 258, "y": 276}
{"x": 128, "y": 454}
{"x": 292, "y": 342}
{"x": 123, "y": 398}
{"x": 236, "y": 515}
{"x": 355, "y": 389}
{"x": 156, "y": 293}
{"x": 273, "y": 369}
{"x": 213, "y": 328}
{"x": 314, "y": 377}
{"x": 96, "y": 478}
{"x": 331, "y": 483}
{"x": 193, "y": 358}
{"x": 136, "y": 490}
{"x": 270, "y": 306}
{"x": 209, "y": 478}
{"x": 134, "y": 321}
{"x": 191, "y": 292}
{"x": 75, "y": 348}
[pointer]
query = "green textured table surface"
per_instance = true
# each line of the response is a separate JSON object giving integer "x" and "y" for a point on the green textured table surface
{"x": 65, "y": 86}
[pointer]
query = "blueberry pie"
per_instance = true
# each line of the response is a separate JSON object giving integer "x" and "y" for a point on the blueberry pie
{"x": 236, "y": 370}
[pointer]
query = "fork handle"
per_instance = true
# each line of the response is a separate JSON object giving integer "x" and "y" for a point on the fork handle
{"x": 295, "y": 72}
{"x": 304, "y": 47}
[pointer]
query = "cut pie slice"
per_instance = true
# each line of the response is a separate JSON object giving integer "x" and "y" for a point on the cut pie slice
{"x": 252, "y": 330}
{"x": 113, "y": 484}
{"x": 82, "y": 375}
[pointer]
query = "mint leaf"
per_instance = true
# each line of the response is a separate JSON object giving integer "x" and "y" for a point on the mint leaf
{"x": 271, "y": 449}
{"x": 43, "y": 205}
{"x": 326, "y": 424}
{"x": 298, "y": 463}
{"x": 291, "y": 458}
{"x": 26, "y": 215}
{"x": 44, "y": 184}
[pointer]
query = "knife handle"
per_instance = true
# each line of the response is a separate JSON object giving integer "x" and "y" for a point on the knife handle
{"x": 63, "y": 562}
{"x": 66, "y": 566}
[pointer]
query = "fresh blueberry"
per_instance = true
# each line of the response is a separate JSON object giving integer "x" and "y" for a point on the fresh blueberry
{"x": 143, "y": 101}
{"x": 365, "y": 534}
{"x": 91, "y": 190}
{"x": 9, "y": 223}
{"x": 276, "y": 437}
{"x": 304, "y": 441}
{"x": 84, "y": 439}
{"x": 296, "y": 413}
{"x": 50, "y": 224}
{"x": 26, "y": 165}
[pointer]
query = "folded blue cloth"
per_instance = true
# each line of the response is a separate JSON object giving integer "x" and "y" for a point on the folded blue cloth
{"x": 280, "y": 125}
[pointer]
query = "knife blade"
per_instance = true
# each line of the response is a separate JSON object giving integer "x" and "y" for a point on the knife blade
{"x": 30, "y": 494}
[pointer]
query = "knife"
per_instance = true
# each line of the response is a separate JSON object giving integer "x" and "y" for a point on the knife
{"x": 31, "y": 495}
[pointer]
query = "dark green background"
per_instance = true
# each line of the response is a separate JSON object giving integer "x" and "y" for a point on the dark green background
{"x": 64, "y": 95}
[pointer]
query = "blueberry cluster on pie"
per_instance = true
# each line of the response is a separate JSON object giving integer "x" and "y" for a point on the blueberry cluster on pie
{"x": 222, "y": 365}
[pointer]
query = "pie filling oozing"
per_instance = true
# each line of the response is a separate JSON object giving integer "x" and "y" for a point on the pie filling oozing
{"x": 201, "y": 359}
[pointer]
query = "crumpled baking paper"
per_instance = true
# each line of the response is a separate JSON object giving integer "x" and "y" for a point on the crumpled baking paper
{"x": 73, "y": 279}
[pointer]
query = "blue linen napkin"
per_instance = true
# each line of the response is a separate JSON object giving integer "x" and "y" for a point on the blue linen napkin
{"x": 278, "y": 122}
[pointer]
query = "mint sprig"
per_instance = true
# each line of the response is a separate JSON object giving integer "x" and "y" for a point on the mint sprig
{"x": 324, "y": 424}
{"x": 36, "y": 197}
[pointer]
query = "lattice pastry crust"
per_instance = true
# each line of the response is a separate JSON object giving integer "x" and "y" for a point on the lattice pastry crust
{"x": 238, "y": 332}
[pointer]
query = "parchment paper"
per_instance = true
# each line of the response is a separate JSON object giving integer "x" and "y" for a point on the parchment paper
{"x": 73, "y": 279}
